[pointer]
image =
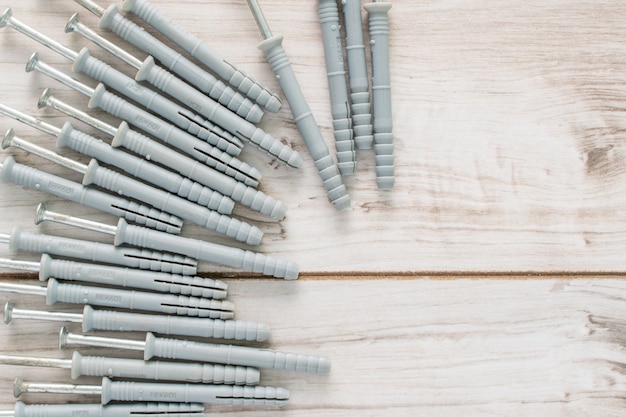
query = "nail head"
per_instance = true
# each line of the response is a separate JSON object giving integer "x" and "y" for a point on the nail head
{"x": 71, "y": 24}
{"x": 44, "y": 98}
{"x": 32, "y": 62}
{"x": 6, "y": 17}
{"x": 8, "y": 138}
{"x": 8, "y": 312}
{"x": 40, "y": 214}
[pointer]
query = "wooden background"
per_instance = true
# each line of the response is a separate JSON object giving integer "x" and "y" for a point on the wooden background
{"x": 508, "y": 121}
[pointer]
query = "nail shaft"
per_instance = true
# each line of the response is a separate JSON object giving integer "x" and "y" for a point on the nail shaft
{"x": 68, "y": 338}
{"x": 47, "y": 99}
{"x": 11, "y": 140}
{"x": 29, "y": 120}
{"x": 261, "y": 22}
{"x": 33, "y": 361}
{"x": 22, "y": 289}
{"x": 20, "y": 387}
{"x": 11, "y": 312}
{"x": 19, "y": 265}
{"x": 92, "y": 7}
{"x": 74, "y": 25}
{"x": 11, "y": 21}
{"x": 43, "y": 214}
{"x": 34, "y": 64}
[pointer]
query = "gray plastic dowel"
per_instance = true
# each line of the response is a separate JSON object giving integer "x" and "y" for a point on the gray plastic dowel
{"x": 212, "y": 127}
{"x": 137, "y": 300}
{"x": 236, "y": 126}
{"x": 381, "y": 93}
{"x": 357, "y": 74}
{"x": 194, "y": 99}
{"x": 233, "y": 355}
{"x": 203, "y": 53}
{"x": 159, "y": 370}
{"x": 163, "y": 79}
{"x": 155, "y": 151}
{"x": 140, "y": 168}
{"x": 174, "y": 325}
{"x": 224, "y": 184}
{"x": 177, "y": 63}
{"x": 206, "y": 251}
{"x": 337, "y": 86}
{"x": 207, "y": 394}
{"x": 148, "y": 98}
{"x": 47, "y": 99}
{"x": 305, "y": 121}
{"x": 167, "y": 202}
{"x": 133, "y": 278}
{"x": 70, "y": 190}
{"x": 112, "y": 410}
{"x": 196, "y": 169}
{"x": 169, "y": 134}
{"x": 102, "y": 252}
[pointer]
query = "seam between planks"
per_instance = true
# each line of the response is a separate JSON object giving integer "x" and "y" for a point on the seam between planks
{"x": 392, "y": 275}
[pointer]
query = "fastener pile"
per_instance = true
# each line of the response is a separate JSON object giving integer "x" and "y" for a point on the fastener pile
{"x": 174, "y": 159}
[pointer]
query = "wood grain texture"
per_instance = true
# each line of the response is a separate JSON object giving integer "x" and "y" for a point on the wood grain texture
{"x": 508, "y": 127}
{"x": 405, "y": 348}
{"x": 508, "y": 124}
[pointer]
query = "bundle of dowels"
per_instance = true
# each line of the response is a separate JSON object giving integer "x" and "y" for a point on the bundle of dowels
{"x": 358, "y": 121}
{"x": 183, "y": 127}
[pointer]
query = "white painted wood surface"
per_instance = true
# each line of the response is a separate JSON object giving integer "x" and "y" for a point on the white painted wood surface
{"x": 508, "y": 126}
{"x": 411, "y": 347}
{"x": 508, "y": 129}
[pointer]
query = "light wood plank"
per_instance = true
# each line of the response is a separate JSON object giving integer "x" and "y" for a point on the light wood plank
{"x": 508, "y": 125}
{"x": 551, "y": 347}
